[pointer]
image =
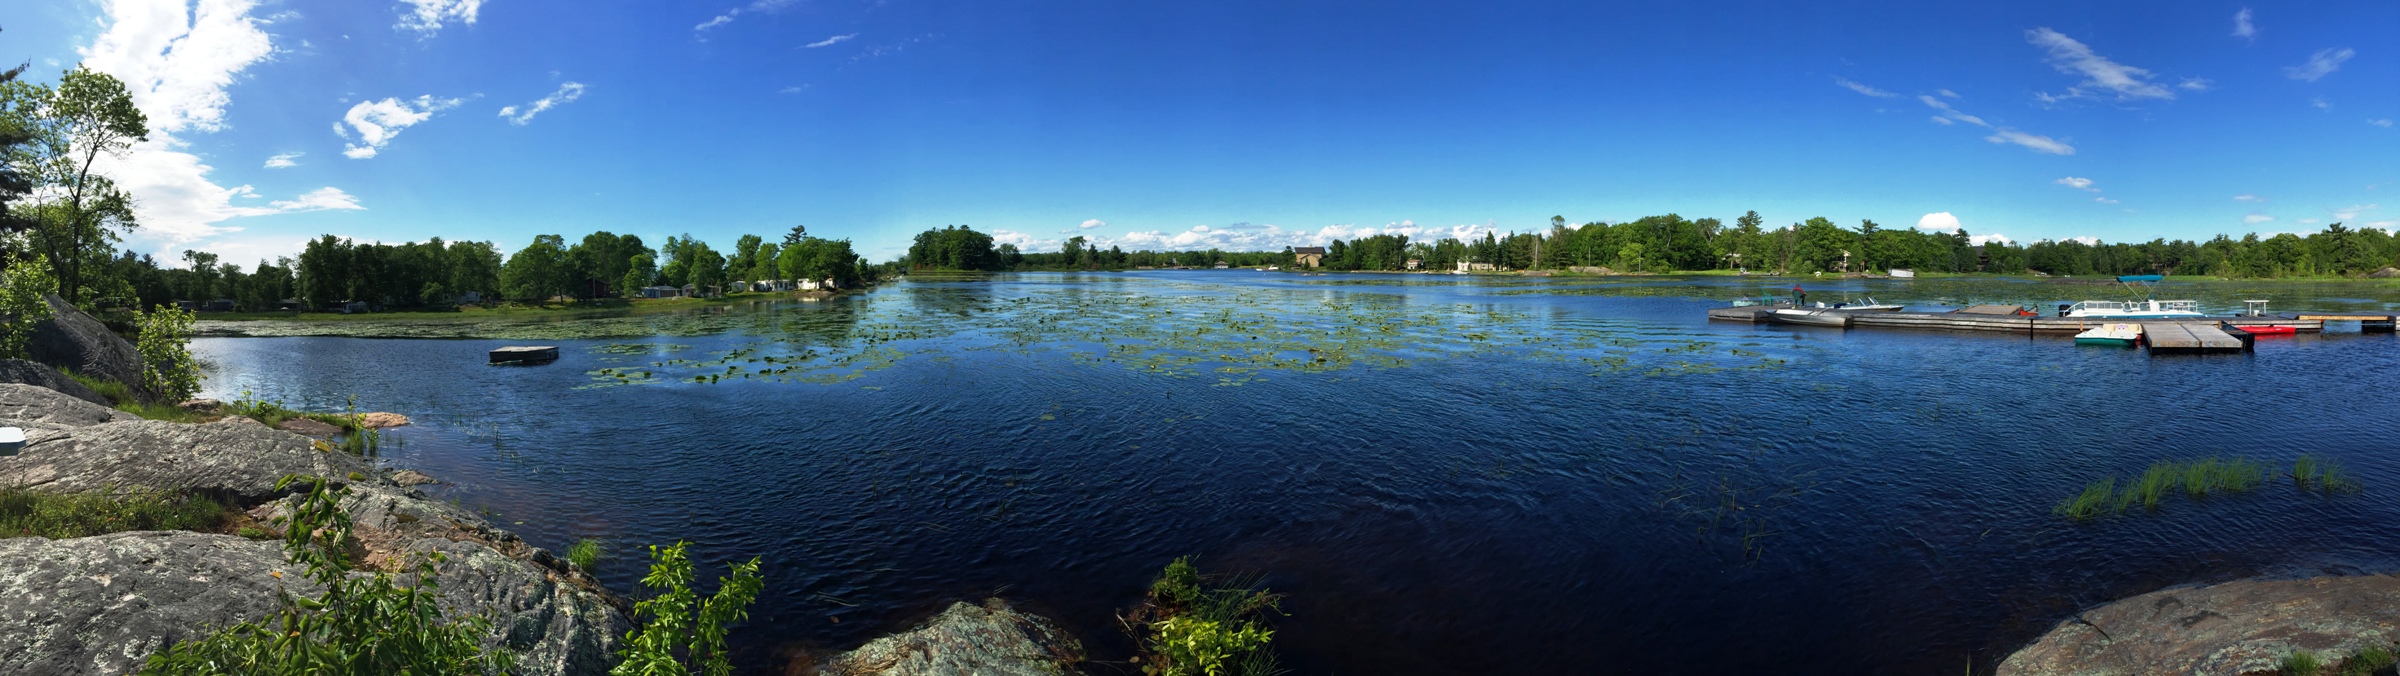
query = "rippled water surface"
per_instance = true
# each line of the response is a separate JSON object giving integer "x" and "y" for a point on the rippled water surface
{"x": 1446, "y": 476}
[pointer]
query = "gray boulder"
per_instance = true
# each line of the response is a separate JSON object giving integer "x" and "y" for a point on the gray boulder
{"x": 966, "y": 639}
{"x": 229, "y": 460}
{"x": 70, "y": 339}
{"x": 2240, "y": 627}
{"x": 37, "y": 409}
{"x": 103, "y": 604}
{"x": 42, "y": 375}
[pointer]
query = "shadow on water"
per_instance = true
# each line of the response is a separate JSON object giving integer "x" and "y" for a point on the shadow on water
{"x": 1447, "y": 475}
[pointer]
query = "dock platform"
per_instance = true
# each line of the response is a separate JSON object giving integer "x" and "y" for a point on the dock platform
{"x": 2367, "y": 323}
{"x": 2190, "y": 338}
{"x": 525, "y": 354}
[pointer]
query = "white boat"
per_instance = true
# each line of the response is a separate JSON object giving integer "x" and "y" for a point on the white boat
{"x": 1903, "y": 273}
{"x": 1869, "y": 306}
{"x": 1811, "y": 317}
{"x": 2140, "y": 309}
{"x": 2115, "y": 335}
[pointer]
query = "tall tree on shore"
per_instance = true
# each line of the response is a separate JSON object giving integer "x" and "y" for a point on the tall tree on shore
{"x": 89, "y": 115}
{"x": 537, "y": 271}
{"x": 16, "y": 136}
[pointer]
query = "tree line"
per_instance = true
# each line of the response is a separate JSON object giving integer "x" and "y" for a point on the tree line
{"x": 959, "y": 247}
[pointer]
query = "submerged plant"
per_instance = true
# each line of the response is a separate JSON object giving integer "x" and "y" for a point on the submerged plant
{"x": 2091, "y": 503}
{"x": 585, "y": 554}
{"x": 1189, "y": 629}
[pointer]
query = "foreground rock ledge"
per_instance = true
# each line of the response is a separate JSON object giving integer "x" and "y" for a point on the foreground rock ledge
{"x": 2239, "y": 627}
{"x": 103, "y": 604}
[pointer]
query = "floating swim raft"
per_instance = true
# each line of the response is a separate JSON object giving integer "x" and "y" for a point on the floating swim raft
{"x": 525, "y": 354}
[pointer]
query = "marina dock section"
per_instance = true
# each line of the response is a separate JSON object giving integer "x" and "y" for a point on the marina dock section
{"x": 2044, "y": 325}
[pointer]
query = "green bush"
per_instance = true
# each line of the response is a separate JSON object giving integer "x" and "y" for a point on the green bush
{"x": 26, "y": 513}
{"x": 168, "y": 371}
{"x": 362, "y": 625}
{"x": 1195, "y": 630}
{"x": 21, "y": 289}
{"x": 685, "y": 633}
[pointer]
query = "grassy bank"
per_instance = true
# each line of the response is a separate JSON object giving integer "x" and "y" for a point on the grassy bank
{"x": 72, "y": 515}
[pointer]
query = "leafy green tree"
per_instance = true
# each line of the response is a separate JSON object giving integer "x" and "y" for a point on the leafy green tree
{"x": 22, "y": 287}
{"x": 89, "y": 116}
{"x": 537, "y": 271}
{"x": 168, "y": 372}
{"x": 640, "y": 270}
{"x": 680, "y": 632}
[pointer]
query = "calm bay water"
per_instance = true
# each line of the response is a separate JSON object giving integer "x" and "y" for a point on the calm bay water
{"x": 1446, "y": 476}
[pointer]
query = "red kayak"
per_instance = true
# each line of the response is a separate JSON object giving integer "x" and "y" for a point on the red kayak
{"x": 2269, "y": 330}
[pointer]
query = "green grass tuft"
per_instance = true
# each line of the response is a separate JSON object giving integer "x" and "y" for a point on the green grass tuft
{"x": 26, "y": 513}
{"x": 2156, "y": 482}
{"x": 584, "y": 554}
{"x": 2301, "y": 663}
{"x": 2093, "y": 502}
{"x": 2371, "y": 660}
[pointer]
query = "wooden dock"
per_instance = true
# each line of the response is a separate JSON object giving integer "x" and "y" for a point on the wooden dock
{"x": 525, "y": 354}
{"x": 2367, "y": 323}
{"x": 2190, "y": 338}
{"x": 2010, "y": 323}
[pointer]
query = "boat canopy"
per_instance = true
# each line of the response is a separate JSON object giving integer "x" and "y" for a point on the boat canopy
{"x": 2139, "y": 278}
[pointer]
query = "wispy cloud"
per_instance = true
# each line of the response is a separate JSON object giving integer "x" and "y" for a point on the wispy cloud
{"x": 1948, "y": 114}
{"x": 2077, "y": 183}
{"x": 2320, "y": 103}
{"x": 730, "y": 14}
{"x": 2104, "y": 200}
{"x": 1845, "y": 83}
{"x": 828, "y": 42}
{"x": 2195, "y": 84}
{"x": 2319, "y": 65}
{"x": 2351, "y": 212}
{"x": 2127, "y": 83}
{"x": 2242, "y": 28}
{"x": 1093, "y": 223}
{"x": 2385, "y": 122}
{"x": 427, "y": 16}
{"x": 1946, "y": 92}
{"x": 2035, "y": 142}
{"x": 521, "y": 116}
{"x": 376, "y": 122}
{"x": 283, "y": 161}
{"x": 2247, "y": 197}
{"x": 322, "y": 199}
{"x": 2255, "y": 219}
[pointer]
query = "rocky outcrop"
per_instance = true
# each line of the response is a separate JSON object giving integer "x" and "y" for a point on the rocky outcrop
{"x": 2387, "y": 272}
{"x": 70, "y": 339}
{"x": 555, "y": 617}
{"x": 309, "y": 428}
{"x": 966, "y": 639}
{"x": 377, "y": 421}
{"x": 103, "y": 604}
{"x": 42, "y": 375}
{"x": 2241, "y": 627}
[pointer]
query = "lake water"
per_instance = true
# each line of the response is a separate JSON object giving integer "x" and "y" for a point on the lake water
{"x": 1447, "y": 476}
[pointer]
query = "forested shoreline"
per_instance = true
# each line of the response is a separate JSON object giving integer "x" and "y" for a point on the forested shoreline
{"x": 1671, "y": 243}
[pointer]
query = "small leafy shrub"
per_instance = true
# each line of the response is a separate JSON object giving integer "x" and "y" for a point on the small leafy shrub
{"x": 2371, "y": 660}
{"x": 1190, "y": 629}
{"x": 26, "y": 513}
{"x": 362, "y": 624}
{"x": 21, "y": 289}
{"x": 684, "y": 633}
{"x": 167, "y": 367}
{"x": 584, "y": 554}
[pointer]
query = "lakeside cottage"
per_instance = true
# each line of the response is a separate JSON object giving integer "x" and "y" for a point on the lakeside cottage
{"x": 1308, "y": 256}
{"x": 661, "y": 292}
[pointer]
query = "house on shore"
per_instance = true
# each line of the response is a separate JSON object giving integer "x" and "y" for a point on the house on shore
{"x": 662, "y": 292}
{"x": 1308, "y": 256}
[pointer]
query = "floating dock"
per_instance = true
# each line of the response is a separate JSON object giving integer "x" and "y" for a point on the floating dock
{"x": 525, "y": 354}
{"x": 2030, "y": 324}
{"x": 2191, "y": 338}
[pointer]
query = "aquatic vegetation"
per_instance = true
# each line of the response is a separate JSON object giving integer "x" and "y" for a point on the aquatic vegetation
{"x": 685, "y": 633}
{"x": 2322, "y": 474}
{"x": 1187, "y": 628}
{"x": 2092, "y": 502}
{"x": 585, "y": 554}
{"x": 26, "y": 513}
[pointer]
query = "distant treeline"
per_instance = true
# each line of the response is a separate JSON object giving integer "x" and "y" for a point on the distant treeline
{"x": 1671, "y": 243}
{"x": 331, "y": 271}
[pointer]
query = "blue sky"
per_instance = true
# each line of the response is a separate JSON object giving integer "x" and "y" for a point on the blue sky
{"x": 1233, "y": 124}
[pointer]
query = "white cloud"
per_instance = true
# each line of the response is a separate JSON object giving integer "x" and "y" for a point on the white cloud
{"x": 1948, "y": 113}
{"x": 176, "y": 61}
{"x": 2351, "y": 212}
{"x": 2197, "y": 84}
{"x": 2255, "y": 219}
{"x": 1946, "y": 92}
{"x": 283, "y": 161}
{"x": 2074, "y": 58}
{"x": 427, "y": 16}
{"x": 1940, "y": 221}
{"x": 2320, "y": 103}
{"x": 754, "y": 6}
{"x": 2247, "y": 197}
{"x": 1845, "y": 83}
{"x": 1944, "y": 121}
{"x": 721, "y": 20}
{"x": 828, "y": 42}
{"x": 2104, "y": 200}
{"x": 2320, "y": 64}
{"x": 2242, "y": 28}
{"x": 1093, "y": 223}
{"x": 2387, "y": 226}
{"x": 378, "y": 121}
{"x": 2086, "y": 240}
{"x": 321, "y": 199}
{"x": 566, "y": 92}
{"x": 2385, "y": 122}
{"x": 2077, "y": 183}
{"x": 2036, "y": 142}
{"x": 1994, "y": 238}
